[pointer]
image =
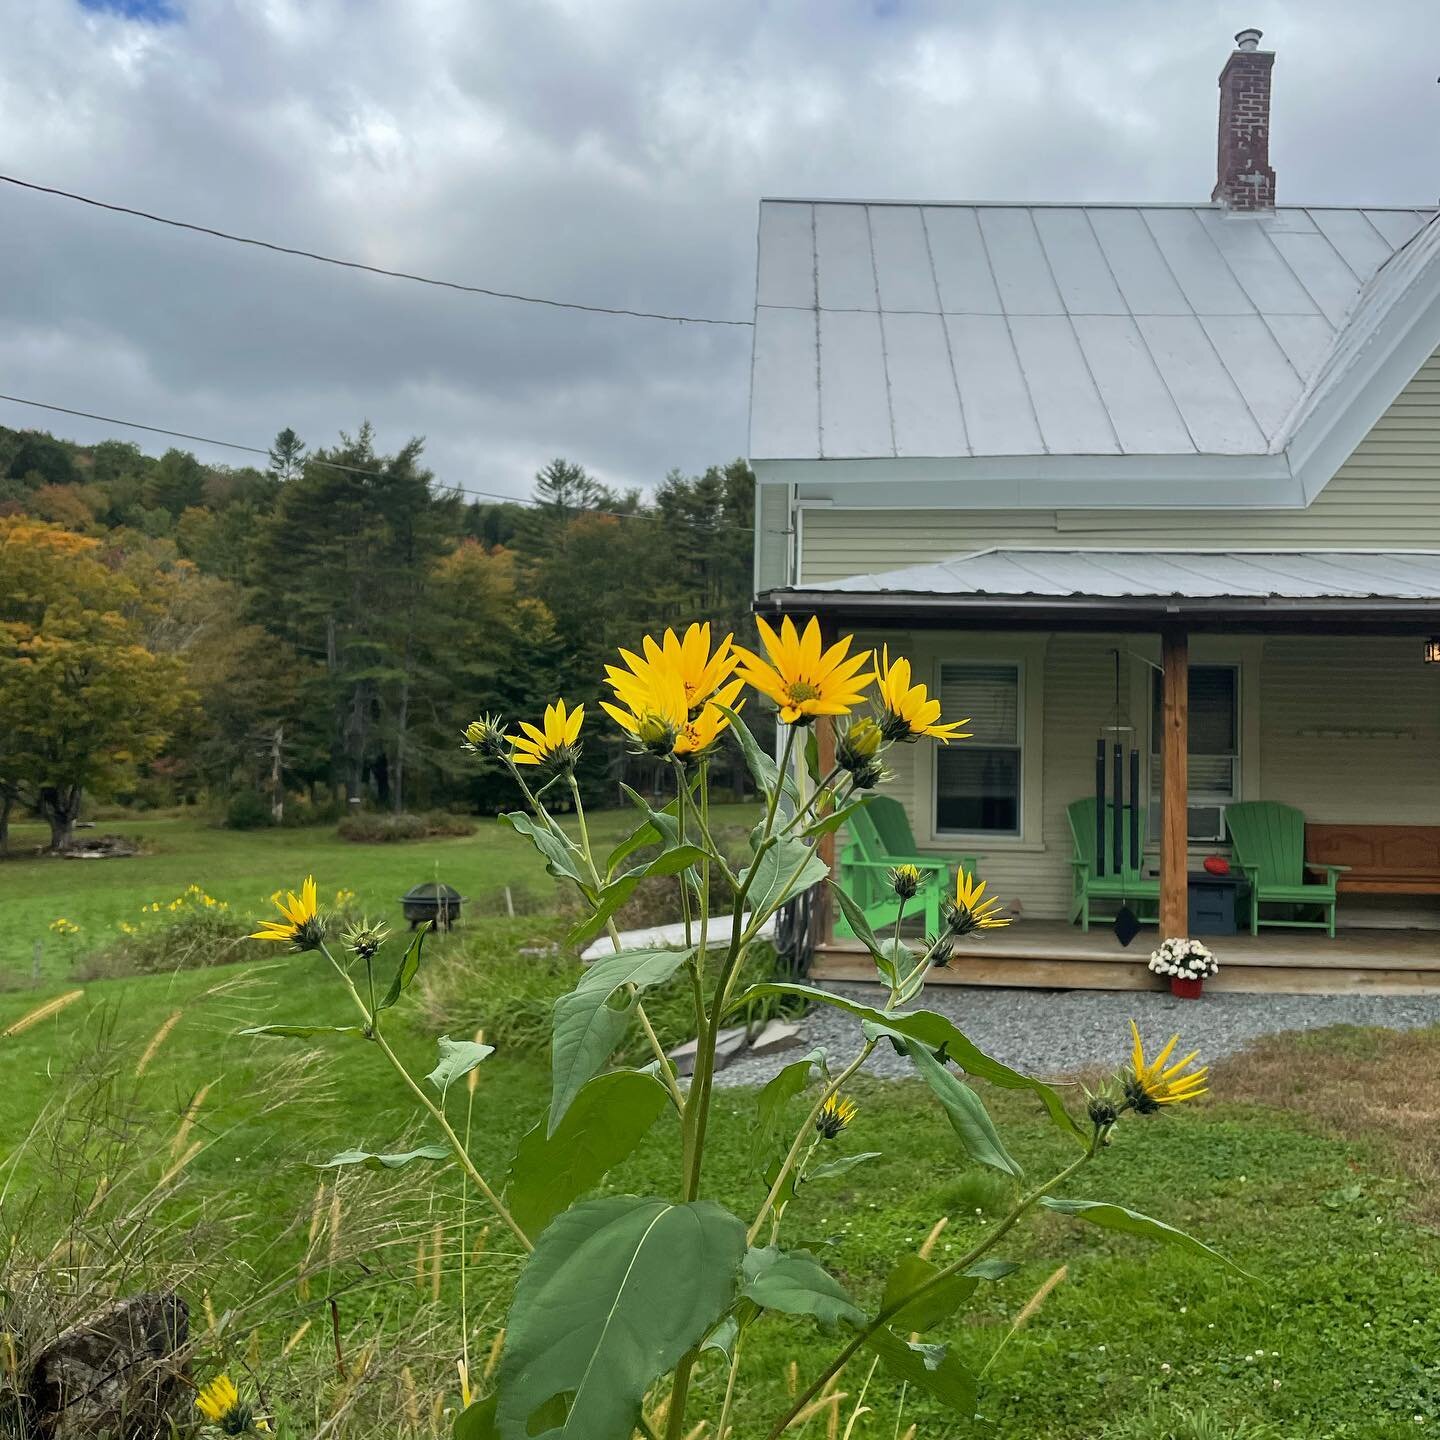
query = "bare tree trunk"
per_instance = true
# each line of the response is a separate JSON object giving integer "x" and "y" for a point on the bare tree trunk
{"x": 60, "y": 806}
{"x": 277, "y": 781}
{"x": 397, "y": 775}
{"x": 7, "y": 803}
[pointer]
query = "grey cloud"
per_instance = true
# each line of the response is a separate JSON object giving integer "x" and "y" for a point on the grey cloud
{"x": 607, "y": 152}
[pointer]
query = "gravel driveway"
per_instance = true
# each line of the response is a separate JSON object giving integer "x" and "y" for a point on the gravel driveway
{"x": 1056, "y": 1032}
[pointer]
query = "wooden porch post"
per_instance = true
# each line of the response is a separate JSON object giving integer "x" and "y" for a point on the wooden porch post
{"x": 1174, "y": 795}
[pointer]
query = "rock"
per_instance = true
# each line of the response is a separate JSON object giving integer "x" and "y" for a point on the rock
{"x": 778, "y": 1035}
{"x": 728, "y": 1044}
{"x": 114, "y": 1375}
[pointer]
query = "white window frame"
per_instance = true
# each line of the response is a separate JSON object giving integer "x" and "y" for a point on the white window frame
{"x": 984, "y": 837}
{"x": 1027, "y": 652}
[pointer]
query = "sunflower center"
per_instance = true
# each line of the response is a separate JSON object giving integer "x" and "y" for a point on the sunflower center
{"x": 799, "y": 691}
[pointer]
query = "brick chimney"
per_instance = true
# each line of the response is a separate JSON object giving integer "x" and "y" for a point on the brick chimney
{"x": 1244, "y": 179}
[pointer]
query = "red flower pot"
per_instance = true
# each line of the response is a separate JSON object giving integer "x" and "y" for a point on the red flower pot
{"x": 1186, "y": 988}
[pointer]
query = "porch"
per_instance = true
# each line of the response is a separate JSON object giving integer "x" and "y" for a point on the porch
{"x": 1308, "y": 681}
{"x": 1053, "y": 954}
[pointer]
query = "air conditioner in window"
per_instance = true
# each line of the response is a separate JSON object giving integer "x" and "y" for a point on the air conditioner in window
{"x": 1206, "y": 822}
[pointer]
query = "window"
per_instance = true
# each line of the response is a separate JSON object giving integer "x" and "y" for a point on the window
{"x": 1214, "y": 766}
{"x": 977, "y": 782}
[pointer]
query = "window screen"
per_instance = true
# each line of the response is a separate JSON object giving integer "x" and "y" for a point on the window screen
{"x": 977, "y": 781}
{"x": 1214, "y": 725}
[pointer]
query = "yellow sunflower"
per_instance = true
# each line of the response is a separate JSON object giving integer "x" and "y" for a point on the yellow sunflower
{"x": 801, "y": 676}
{"x": 220, "y": 1404}
{"x": 700, "y": 670}
{"x": 698, "y": 735}
{"x": 835, "y": 1115}
{"x": 906, "y": 711}
{"x": 971, "y": 911}
{"x": 1151, "y": 1084}
{"x": 554, "y": 744}
{"x": 652, "y": 709}
{"x": 301, "y": 926}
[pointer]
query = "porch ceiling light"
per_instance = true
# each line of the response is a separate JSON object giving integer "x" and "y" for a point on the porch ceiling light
{"x": 1432, "y": 650}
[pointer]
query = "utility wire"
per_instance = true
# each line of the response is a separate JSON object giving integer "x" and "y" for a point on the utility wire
{"x": 328, "y": 464}
{"x": 360, "y": 265}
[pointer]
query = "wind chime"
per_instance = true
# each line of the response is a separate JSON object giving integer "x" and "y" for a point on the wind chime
{"x": 1117, "y": 821}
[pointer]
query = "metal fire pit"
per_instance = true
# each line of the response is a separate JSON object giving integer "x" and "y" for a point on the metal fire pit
{"x": 432, "y": 901}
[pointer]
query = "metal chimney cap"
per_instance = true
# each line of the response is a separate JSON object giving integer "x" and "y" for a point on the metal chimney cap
{"x": 1248, "y": 40}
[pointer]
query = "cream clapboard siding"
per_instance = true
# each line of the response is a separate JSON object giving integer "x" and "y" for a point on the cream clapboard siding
{"x": 1347, "y": 730}
{"x": 1386, "y": 495}
{"x": 1079, "y": 680}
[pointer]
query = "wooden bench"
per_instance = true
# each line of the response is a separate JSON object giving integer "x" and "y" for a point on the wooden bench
{"x": 1382, "y": 859}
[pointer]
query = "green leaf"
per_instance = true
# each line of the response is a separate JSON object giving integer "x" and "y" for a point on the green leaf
{"x": 836, "y": 818}
{"x": 968, "y": 1116}
{"x": 304, "y": 1032}
{"x": 1131, "y": 1222}
{"x": 992, "y": 1269}
{"x": 457, "y": 1058}
{"x": 563, "y": 857}
{"x": 931, "y": 1367}
{"x": 833, "y": 1169}
{"x": 795, "y": 1283}
{"x": 937, "y": 1304}
{"x": 371, "y": 1161}
{"x": 477, "y": 1421}
{"x": 409, "y": 964}
{"x": 935, "y": 1031}
{"x": 660, "y": 827}
{"x": 588, "y": 1026}
{"x": 785, "y": 868}
{"x": 780, "y": 1090}
{"x": 657, "y": 1277}
{"x": 612, "y": 896}
{"x": 608, "y": 1118}
{"x": 723, "y": 1337}
{"x": 763, "y": 769}
{"x": 812, "y": 756}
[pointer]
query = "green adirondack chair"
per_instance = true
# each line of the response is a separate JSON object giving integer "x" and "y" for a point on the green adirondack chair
{"x": 1129, "y": 887}
{"x": 1269, "y": 841}
{"x": 880, "y": 838}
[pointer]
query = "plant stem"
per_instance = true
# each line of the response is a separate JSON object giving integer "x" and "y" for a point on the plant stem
{"x": 372, "y": 1025}
{"x": 800, "y": 1135}
{"x": 667, "y": 1071}
{"x": 1021, "y": 1206}
{"x": 724, "y": 1424}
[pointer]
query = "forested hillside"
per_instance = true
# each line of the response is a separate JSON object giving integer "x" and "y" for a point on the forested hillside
{"x": 321, "y": 629}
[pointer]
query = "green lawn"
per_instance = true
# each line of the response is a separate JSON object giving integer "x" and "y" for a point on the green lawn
{"x": 245, "y": 867}
{"x": 1309, "y": 1181}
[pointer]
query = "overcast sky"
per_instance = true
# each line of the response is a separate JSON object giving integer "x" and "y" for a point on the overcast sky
{"x": 605, "y": 151}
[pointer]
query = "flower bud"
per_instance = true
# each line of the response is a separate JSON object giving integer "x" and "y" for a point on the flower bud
{"x": 486, "y": 736}
{"x": 859, "y": 745}
{"x": 905, "y": 881}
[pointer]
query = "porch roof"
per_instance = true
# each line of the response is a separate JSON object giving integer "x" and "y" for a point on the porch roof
{"x": 1206, "y": 589}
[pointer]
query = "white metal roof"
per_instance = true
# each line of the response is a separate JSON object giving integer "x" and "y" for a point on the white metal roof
{"x": 1161, "y": 574}
{"x": 910, "y": 331}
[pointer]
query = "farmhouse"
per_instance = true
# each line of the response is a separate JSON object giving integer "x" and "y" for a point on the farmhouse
{"x": 1151, "y": 493}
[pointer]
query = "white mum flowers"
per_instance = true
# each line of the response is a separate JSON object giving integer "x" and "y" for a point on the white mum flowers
{"x": 1184, "y": 959}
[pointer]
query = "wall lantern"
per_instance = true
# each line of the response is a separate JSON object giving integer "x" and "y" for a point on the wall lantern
{"x": 1432, "y": 650}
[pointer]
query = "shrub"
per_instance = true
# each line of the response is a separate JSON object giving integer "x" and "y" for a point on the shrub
{"x": 484, "y": 984}
{"x": 367, "y": 827}
{"x": 247, "y": 810}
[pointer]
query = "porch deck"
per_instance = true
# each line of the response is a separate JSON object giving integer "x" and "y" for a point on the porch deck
{"x": 1050, "y": 954}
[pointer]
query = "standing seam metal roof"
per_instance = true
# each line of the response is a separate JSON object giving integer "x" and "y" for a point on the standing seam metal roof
{"x": 899, "y": 330}
{"x": 1179, "y": 574}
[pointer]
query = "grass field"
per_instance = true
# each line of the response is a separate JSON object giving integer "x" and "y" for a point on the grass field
{"x": 1313, "y": 1165}
{"x": 245, "y": 867}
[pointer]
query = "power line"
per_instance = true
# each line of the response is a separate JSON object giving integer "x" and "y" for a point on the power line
{"x": 328, "y": 464}
{"x": 360, "y": 265}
